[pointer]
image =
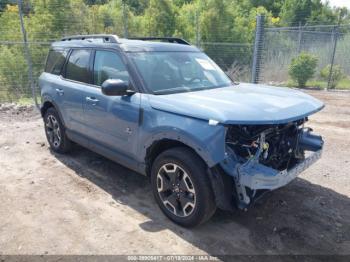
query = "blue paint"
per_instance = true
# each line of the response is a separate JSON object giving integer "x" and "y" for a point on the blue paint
{"x": 241, "y": 104}
{"x": 123, "y": 128}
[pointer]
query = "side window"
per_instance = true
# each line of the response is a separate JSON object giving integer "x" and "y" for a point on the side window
{"x": 55, "y": 61}
{"x": 77, "y": 67}
{"x": 109, "y": 65}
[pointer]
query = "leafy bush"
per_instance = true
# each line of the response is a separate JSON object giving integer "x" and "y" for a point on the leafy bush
{"x": 302, "y": 68}
{"x": 337, "y": 74}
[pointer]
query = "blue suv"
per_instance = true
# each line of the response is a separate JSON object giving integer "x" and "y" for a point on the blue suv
{"x": 164, "y": 109}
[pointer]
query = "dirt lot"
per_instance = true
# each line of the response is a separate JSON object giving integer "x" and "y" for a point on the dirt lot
{"x": 84, "y": 204}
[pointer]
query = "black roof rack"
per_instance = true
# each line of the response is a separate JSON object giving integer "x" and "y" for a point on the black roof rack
{"x": 164, "y": 39}
{"x": 105, "y": 38}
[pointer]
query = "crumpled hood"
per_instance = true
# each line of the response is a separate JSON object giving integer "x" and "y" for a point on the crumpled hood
{"x": 241, "y": 104}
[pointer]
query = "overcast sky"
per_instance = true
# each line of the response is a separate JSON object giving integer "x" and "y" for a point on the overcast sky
{"x": 339, "y": 3}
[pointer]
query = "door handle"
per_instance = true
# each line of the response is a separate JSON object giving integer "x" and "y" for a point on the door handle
{"x": 59, "y": 91}
{"x": 91, "y": 100}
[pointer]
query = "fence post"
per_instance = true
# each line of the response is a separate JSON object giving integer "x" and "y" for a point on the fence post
{"x": 258, "y": 46}
{"x": 300, "y": 37}
{"x": 125, "y": 20}
{"x": 197, "y": 30}
{"x": 27, "y": 54}
{"x": 330, "y": 77}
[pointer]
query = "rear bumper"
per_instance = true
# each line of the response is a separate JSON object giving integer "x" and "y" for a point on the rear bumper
{"x": 257, "y": 176}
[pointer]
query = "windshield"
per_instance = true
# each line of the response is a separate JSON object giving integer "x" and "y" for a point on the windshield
{"x": 176, "y": 72}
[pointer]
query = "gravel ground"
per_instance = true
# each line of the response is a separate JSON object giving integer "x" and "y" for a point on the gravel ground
{"x": 83, "y": 203}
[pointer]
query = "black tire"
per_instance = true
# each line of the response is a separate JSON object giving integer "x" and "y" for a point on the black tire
{"x": 63, "y": 144}
{"x": 200, "y": 199}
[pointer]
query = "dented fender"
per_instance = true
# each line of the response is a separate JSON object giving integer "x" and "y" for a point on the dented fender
{"x": 206, "y": 139}
{"x": 211, "y": 152}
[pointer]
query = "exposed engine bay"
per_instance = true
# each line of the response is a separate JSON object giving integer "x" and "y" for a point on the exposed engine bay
{"x": 265, "y": 157}
{"x": 284, "y": 144}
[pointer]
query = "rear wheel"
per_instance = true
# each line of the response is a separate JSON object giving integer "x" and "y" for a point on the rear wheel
{"x": 55, "y": 132}
{"x": 182, "y": 188}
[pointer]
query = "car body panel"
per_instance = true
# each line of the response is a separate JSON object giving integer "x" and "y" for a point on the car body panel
{"x": 241, "y": 104}
{"x": 112, "y": 121}
{"x": 257, "y": 176}
{"x": 205, "y": 139}
{"x": 67, "y": 96}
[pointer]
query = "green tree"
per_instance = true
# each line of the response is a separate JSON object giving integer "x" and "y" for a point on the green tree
{"x": 210, "y": 21}
{"x": 274, "y": 6}
{"x": 216, "y": 21}
{"x": 187, "y": 22}
{"x": 138, "y": 7}
{"x": 322, "y": 13}
{"x": 13, "y": 72}
{"x": 95, "y": 2}
{"x": 159, "y": 18}
{"x": 10, "y": 25}
{"x": 295, "y": 11}
{"x": 181, "y": 3}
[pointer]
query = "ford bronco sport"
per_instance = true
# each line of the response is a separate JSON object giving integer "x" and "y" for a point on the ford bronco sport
{"x": 166, "y": 110}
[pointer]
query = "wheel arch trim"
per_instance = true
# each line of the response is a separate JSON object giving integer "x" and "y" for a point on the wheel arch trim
{"x": 210, "y": 156}
{"x": 47, "y": 100}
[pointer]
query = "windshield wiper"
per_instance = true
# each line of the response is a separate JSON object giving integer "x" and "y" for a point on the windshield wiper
{"x": 233, "y": 82}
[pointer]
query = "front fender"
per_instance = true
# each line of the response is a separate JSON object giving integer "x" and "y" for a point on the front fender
{"x": 207, "y": 140}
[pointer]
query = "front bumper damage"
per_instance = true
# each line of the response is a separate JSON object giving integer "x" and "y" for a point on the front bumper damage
{"x": 257, "y": 176}
{"x": 251, "y": 177}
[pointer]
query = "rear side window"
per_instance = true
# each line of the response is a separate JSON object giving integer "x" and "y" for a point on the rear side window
{"x": 55, "y": 61}
{"x": 109, "y": 65}
{"x": 77, "y": 67}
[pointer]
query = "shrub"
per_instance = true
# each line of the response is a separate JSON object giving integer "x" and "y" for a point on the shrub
{"x": 337, "y": 75}
{"x": 302, "y": 68}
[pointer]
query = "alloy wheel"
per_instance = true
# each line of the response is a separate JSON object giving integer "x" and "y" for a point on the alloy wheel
{"x": 53, "y": 131}
{"x": 176, "y": 190}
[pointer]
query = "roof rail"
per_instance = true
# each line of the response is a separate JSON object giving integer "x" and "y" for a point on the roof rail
{"x": 105, "y": 38}
{"x": 175, "y": 40}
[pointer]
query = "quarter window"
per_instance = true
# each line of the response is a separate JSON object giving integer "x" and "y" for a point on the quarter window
{"x": 109, "y": 65}
{"x": 55, "y": 61}
{"x": 78, "y": 66}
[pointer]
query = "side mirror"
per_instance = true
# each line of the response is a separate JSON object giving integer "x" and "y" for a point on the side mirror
{"x": 115, "y": 87}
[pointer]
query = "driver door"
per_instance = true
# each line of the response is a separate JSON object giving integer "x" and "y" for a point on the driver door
{"x": 111, "y": 122}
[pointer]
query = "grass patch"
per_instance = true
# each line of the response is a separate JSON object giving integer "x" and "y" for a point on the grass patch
{"x": 343, "y": 84}
{"x": 24, "y": 101}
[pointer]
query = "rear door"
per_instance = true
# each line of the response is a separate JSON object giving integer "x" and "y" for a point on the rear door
{"x": 111, "y": 121}
{"x": 50, "y": 81}
{"x": 76, "y": 77}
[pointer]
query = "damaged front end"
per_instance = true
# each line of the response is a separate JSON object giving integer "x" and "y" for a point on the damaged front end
{"x": 261, "y": 158}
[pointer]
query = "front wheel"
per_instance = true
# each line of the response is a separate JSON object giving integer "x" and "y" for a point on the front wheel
{"x": 182, "y": 188}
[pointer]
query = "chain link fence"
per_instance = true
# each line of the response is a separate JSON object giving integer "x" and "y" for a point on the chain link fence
{"x": 16, "y": 81}
{"x": 234, "y": 58}
{"x": 263, "y": 60}
{"x": 330, "y": 44}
